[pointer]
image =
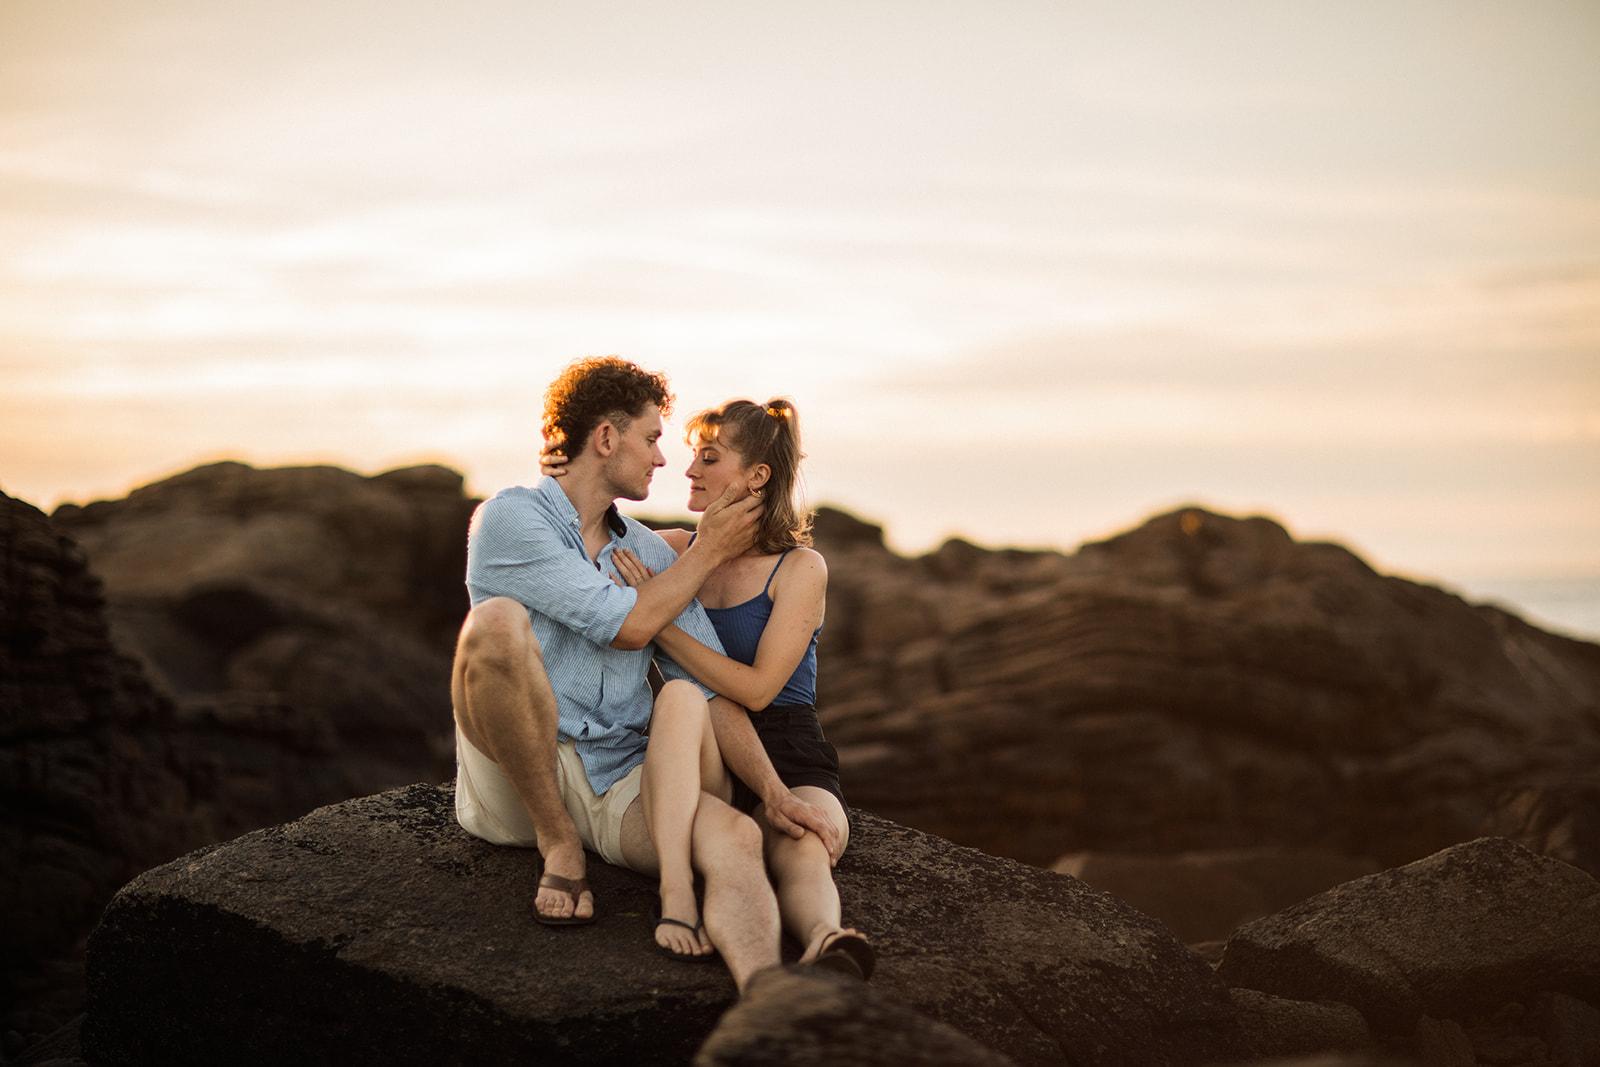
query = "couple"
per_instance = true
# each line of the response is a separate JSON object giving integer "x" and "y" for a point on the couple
{"x": 559, "y": 743}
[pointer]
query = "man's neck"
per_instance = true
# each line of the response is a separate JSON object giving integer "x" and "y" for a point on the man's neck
{"x": 591, "y": 497}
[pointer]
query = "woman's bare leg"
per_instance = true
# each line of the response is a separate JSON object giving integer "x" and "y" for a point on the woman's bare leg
{"x": 670, "y": 790}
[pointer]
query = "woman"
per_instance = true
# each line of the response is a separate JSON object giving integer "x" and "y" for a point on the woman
{"x": 767, "y": 608}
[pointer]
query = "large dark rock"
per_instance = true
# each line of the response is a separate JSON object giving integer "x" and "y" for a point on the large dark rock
{"x": 303, "y": 593}
{"x": 1277, "y": 1026}
{"x": 1201, "y": 682}
{"x": 383, "y": 912}
{"x": 1451, "y": 936}
{"x": 103, "y": 774}
{"x": 90, "y": 772}
{"x": 802, "y": 1017}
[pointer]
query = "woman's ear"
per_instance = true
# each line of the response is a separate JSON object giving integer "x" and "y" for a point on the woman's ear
{"x": 759, "y": 475}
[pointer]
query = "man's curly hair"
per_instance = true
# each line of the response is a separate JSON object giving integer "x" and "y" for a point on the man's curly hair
{"x": 591, "y": 390}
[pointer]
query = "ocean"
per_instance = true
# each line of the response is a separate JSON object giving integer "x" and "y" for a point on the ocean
{"x": 1569, "y": 606}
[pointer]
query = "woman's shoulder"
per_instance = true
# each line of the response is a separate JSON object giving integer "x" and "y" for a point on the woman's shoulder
{"x": 802, "y": 567}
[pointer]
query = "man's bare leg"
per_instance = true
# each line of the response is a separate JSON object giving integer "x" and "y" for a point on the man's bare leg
{"x": 808, "y": 899}
{"x": 670, "y": 792}
{"x": 505, "y": 706}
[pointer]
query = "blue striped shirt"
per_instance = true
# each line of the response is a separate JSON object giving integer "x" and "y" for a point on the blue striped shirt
{"x": 527, "y": 544}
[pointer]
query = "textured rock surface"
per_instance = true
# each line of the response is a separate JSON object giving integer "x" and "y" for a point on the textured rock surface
{"x": 1451, "y": 936}
{"x": 306, "y": 596}
{"x": 89, "y": 771}
{"x": 805, "y": 1018}
{"x": 288, "y": 697}
{"x": 1200, "y": 682}
{"x": 1277, "y": 1026}
{"x": 382, "y": 909}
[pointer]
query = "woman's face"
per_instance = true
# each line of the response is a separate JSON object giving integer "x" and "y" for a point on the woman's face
{"x": 715, "y": 466}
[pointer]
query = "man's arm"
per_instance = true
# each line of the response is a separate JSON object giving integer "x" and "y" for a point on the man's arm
{"x": 513, "y": 551}
{"x": 728, "y": 529}
{"x": 742, "y": 751}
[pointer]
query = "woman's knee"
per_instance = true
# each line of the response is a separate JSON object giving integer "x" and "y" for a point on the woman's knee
{"x": 681, "y": 701}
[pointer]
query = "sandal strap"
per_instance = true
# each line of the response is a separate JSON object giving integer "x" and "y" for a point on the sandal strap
{"x": 677, "y": 922}
{"x": 573, "y": 887}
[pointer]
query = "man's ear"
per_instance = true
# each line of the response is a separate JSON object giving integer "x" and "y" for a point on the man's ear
{"x": 605, "y": 438}
{"x": 759, "y": 475}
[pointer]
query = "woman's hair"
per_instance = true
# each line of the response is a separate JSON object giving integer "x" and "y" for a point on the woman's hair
{"x": 769, "y": 434}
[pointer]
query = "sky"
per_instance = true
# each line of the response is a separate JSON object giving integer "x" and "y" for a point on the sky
{"x": 1031, "y": 271}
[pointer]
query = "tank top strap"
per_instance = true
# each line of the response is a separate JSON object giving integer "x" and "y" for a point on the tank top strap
{"x": 692, "y": 536}
{"x": 766, "y": 588}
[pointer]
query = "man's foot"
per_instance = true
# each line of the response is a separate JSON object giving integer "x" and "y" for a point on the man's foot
{"x": 564, "y": 898}
{"x": 679, "y": 931}
{"x": 846, "y": 951}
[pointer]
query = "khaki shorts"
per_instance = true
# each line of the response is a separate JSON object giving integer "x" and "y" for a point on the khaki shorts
{"x": 487, "y": 805}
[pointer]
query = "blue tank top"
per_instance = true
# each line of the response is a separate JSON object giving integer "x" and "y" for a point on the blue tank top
{"x": 740, "y": 627}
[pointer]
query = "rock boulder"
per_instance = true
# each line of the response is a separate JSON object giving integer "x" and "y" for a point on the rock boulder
{"x": 1451, "y": 936}
{"x": 382, "y": 911}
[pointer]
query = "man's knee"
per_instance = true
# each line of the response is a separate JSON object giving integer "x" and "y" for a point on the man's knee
{"x": 498, "y": 629}
{"x": 735, "y": 837}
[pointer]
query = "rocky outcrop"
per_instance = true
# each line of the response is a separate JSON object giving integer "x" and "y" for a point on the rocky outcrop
{"x": 88, "y": 770}
{"x": 1200, "y": 685}
{"x": 1201, "y": 682}
{"x": 287, "y": 693}
{"x": 383, "y": 912}
{"x": 1455, "y": 937}
{"x": 1278, "y": 1026}
{"x": 303, "y": 595}
{"x": 802, "y": 1017}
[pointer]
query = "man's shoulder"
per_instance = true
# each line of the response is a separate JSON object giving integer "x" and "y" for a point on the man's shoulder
{"x": 515, "y": 506}
{"x": 637, "y": 530}
{"x": 641, "y": 539}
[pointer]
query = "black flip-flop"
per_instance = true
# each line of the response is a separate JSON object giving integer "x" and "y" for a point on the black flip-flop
{"x": 686, "y": 957}
{"x": 848, "y": 954}
{"x": 574, "y": 888}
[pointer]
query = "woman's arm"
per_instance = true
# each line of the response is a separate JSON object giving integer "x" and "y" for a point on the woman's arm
{"x": 799, "y": 595}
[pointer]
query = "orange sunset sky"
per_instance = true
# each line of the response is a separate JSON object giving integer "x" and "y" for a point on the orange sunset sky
{"x": 1031, "y": 271}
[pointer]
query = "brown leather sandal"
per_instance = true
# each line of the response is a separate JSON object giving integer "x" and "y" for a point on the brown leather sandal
{"x": 847, "y": 954}
{"x": 573, "y": 887}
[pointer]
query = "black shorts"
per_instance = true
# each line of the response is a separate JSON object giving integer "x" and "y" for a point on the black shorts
{"x": 800, "y": 754}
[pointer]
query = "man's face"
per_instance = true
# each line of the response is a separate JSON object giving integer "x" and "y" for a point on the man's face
{"x": 637, "y": 456}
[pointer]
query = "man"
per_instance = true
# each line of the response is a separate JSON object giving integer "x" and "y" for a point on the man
{"x": 550, "y": 692}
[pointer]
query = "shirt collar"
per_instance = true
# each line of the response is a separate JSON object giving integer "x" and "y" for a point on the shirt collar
{"x": 555, "y": 498}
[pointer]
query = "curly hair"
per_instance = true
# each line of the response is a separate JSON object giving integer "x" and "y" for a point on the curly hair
{"x": 592, "y": 390}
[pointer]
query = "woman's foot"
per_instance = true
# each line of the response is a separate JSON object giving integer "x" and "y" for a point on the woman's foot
{"x": 842, "y": 949}
{"x": 684, "y": 935}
